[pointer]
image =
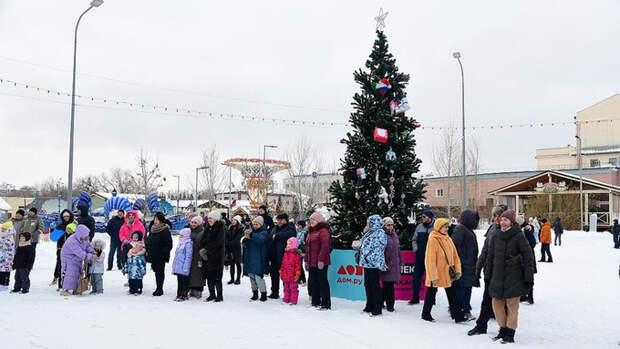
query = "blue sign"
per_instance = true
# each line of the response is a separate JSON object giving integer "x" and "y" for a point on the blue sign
{"x": 346, "y": 280}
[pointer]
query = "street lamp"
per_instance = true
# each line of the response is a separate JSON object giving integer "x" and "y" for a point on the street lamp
{"x": 94, "y": 3}
{"x": 580, "y": 166}
{"x": 198, "y": 169}
{"x": 265, "y": 171}
{"x": 178, "y": 190}
{"x": 457, "y": 56}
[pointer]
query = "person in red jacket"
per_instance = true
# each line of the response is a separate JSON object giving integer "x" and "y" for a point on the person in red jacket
{"x": 291, "y": 271}
{"x": 317, "y": 259}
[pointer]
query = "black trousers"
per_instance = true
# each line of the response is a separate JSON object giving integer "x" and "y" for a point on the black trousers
{"x": 58, "y": 265}
{"x": 135, "y": 286}
{"x": 302, "y": 277}
{"x": 486, "y": 309}
{"x": 22, "y": 279}
{"x": 182, "y": 286}
{"x": 455, "y": 310}
{"x": 320, "y": 287}
{"x": 214, "y": 282}
{"x": 158, "y": 269}
{"x": 274, "y": 273}
{"x": 5, "y": 277}
{"x": 374, "y": 297}
{"x": 545, "y": 249}
{"x": 418, "y": 272}
{"x": 34, "y": 253}
{"x": 388, "y": 294}
{"x": 558, "y": 239}
{"x": 115, "y": 248}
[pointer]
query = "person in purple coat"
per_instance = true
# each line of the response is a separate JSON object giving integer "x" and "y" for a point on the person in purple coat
{"x": 76, "y": 249}
{"x": 393, "y": 260}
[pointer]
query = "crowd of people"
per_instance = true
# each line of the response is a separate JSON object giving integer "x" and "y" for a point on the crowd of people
{"x": 447, "y": 257}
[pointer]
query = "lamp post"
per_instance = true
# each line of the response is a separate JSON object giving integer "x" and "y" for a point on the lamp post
{"x": 580, "y": 166}
{"x": 457, "y": 55}
{"x": 265, "y": 171}
{"x": 94, "y": 3}
{"x": 198, "y": 169}
{"x": 178, "y": 190}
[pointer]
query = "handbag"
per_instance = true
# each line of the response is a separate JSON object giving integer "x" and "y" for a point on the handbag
{"x": 83, "y": 284}
{"x": 451, "y": 270}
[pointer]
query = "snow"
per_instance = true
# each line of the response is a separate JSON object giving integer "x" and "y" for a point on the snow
{"x": 576, "y": 306}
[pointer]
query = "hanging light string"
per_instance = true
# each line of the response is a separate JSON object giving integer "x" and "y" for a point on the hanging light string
{"x": 111, "y": 103}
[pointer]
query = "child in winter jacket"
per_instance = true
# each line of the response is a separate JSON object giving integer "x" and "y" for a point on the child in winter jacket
{"x": 22, "y": 263}
{"x": 182, "y": 263}
{"x": 291, "y": 271}
{"x": 97, "y": 267}
{"x": 7, "y": 253}
{"x": 135, "y": 268}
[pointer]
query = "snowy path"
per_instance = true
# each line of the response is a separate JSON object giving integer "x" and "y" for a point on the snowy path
{"x": 576, "y": 306}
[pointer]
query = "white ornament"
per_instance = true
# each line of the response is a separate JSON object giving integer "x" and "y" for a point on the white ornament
{"x": 381, "y": 19}
{"x": 383, "y": 196}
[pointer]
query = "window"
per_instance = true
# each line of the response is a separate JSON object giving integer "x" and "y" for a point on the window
{"x": 595, "y": 163}
{"x": 439, "y": 193}
{"x": 613, "y": 161}
{"x": 489, "y": 202}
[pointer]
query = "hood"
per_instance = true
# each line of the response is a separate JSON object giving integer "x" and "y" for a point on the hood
{"x": 71, "y": 215}
{"x": 83, "y": 210}
{"x": 136, "y": 215}
{"x": 81, "y": 231}
{"x": 100, "y": 243}
{"x": 264, "y": 208}
{"x": 547, "y": 224}
{"x": 291, "y": 244}
{"x": 375, "y": 222}
{"x": 185, "y": 233}
{"x": 470, "y": 219}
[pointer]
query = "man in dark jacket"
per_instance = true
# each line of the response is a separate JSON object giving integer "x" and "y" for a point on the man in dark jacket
{"x": 486, "y": 308}
{"x": 113, "y": 228}
{"x": 615, "y": 231}
{"x": 279, "y": 236}
{"x": 559, "y": 230}
{"x": 33, "y": 224}
{"x": 418, "y": 242}
{"x": 85, "y": 219}
{"x": 528, "y": 231}
{"x": 466, "y": 245}
{"x": 262, "y": 211}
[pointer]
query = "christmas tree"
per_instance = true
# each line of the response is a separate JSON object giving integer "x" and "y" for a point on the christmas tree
{"x": 379, "y": 175}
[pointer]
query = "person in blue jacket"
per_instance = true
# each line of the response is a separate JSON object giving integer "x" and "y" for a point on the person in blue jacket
{"x": 255, "y": 258}
{"x": 372, "y": 258}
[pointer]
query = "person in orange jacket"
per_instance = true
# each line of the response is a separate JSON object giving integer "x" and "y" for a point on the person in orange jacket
{"x": 545, "y": 241}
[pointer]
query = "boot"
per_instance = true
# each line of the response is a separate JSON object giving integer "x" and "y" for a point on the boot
{"x": 509, "y": 336}
{"x": 218, "y": 289}
{"x": 500, "y": 334}
{"x": 263, "y": 296}
{"x": 476, "y": 331}
{"x": 158, "y": 292}
{"x": 254, "y": 296}
{"x": 230, "y": 282}
{"x": 54, "y": 282}
{"x": 414, "y": 301}
{"x": 274, "y": 295}
{"x": 211, "y": 293}
{"x": 427, "y": 317}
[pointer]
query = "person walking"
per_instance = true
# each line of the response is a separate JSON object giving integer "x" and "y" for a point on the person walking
{"x": 279, "y": 237}
{"x": 510, "y": 272}
{"x": 212, "y": 246}
{"x": 113, "y": 228}
{"x": 393, "y": 261}
{"x": 255, "y": 257}
{"x": 318, "y": 260}
{"x": 84, "y": 218}
{"x": 545, "y": 242}
{"x": 486, "y": 306}
{"x": 33, "y": 224}
{"x": 466, "y": 245}
{"x": 233, "y": 248}
{"x": 419, "y": 241}
{"x": 443, "y": 267}
{"x": 558, "y": 229}
{"x": 372, "y": 259}
{"x": 615, "y": 231}
{"x": 158, "y": 245}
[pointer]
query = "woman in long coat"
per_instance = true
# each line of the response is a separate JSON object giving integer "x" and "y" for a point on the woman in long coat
{"x": 76, "y": 249}
{"x": 158, "y": 246}
{"x": 393, "y": 262}
{"x": 196, "y": 278}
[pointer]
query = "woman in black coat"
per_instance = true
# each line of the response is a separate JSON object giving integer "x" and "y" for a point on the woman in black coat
{"x": 158, "y": 245}
{"x": 233, "y": 248}
{"x": 212, "y": 253}
{"x": 466, "y": 244}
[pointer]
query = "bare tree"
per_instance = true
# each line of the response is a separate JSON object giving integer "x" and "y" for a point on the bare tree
{"x": 89, "y": 184}
{"x": 120, "y": 179}
{"x": 302, "y": 156}
{"x": 148, "y": 178}
{"x": 52, "y": 186}
{"x": 213, "y": 178}
{"x": 445, "y": 158}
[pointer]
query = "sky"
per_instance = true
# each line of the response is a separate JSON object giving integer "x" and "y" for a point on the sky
{"x": 524, "y": 61}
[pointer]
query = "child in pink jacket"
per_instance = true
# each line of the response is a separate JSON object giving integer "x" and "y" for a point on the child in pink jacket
{"x": 290, "y": 271}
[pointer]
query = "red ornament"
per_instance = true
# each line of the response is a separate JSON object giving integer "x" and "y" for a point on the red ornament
{"x": 381, "y": 135}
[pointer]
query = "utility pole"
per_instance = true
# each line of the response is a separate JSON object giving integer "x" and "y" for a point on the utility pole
{"x": 457, "y": 55}
{"x": 580, "y": 166}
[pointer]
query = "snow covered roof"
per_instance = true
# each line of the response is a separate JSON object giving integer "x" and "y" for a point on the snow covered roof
{"x": 569, "y": 176}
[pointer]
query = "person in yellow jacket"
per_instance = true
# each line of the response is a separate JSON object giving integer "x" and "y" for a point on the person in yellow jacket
{"x": 443, "y": 267}
{"x": 545, "y": 241}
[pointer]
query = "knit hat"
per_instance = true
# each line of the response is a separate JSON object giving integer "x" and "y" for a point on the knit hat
{"x": 259, "y": 220}
{"x": 197, "y": 219}
{"x": 33, "y": 210}
{"x": 440, "y": 222}
{"x": 318, "y": 217}
{"x": 510, "y": 215}
{"x": 71, "y": 226}
{"x": 429, "y": 214}
{"x": 237, "y": 218}
{"x": 497, "y": 211}
{"x": 7, "y": 225}
{"x": 520, "y": 220}
{"x": 215, "y": 215}
{"x": 388, "y": 220}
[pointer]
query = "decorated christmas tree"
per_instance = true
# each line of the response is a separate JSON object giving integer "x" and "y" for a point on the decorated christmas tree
{"x": 380, "y": 165}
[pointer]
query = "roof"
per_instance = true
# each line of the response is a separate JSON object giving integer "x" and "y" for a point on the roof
{"x": 562, "y": 174}
{"x": 522, "y": 174}
{"x": 599, "y": 102}
{"x": 4, "y": 206}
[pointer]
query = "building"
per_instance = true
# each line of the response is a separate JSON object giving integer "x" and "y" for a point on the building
{"x": 315, "y": 185}
{"x": 282, "y": 198}
{"x": 598, "y": 127}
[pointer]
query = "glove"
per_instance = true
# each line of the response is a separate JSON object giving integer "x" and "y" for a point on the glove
{"x": 203, "y": 254}
{"x": 321, "y": 265}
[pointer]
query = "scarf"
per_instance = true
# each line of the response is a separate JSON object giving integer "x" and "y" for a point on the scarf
{"x": 158, "y": 228}
{"x": 24, "y": 243}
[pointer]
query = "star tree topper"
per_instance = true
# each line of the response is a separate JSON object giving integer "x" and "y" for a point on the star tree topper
{"x": 381, "y": 19}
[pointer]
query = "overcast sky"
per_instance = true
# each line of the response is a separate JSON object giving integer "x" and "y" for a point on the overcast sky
{"x": 524, "y": 61}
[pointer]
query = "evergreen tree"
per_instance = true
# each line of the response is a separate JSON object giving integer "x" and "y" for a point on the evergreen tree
{"x": 355, "y": 199}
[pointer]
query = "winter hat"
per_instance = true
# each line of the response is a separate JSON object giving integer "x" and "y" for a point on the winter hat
{"x": 71, "y": 226}
{"x": 318, "y": 217}
{"x": 302, "y": 223}
{"x": 98, "y": 242}
{"x": 184, "y": 236}
{"x": 388, "y": 220}
{"x": 215, "y": 215}
{"x": 139, "y": 233}
{"x": 291, "y": 244}
{"x": 497, "y": 211}
{"x": 510, "y": 215}
{"x": 33, "y": 210}
{"x": 429, "y": 214}
{"x": 7, "y": 225}
{"x": 237, "y": 218}
{"x": 520, "y": 220}
{"x": 197, "y": 219}
{"x": 282, "y": 216}
{"x": 259, "y": 220}
{"x": 440, "y": 222}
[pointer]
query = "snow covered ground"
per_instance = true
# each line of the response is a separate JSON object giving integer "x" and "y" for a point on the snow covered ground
{"x": 576, "y": 307}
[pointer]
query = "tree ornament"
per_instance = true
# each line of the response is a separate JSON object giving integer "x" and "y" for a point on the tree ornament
{"x": 381, "y": 135}
{"x": 393, "y": 107}
{"x": 383, "y": 86}
{"x": 357, "y": 195}
{"x": 403, "y": 196}
{"x": 361, "y": 173}
{"x": 380, "y": 19}
{"x": 377, "y": 176}
{"x": 402, "y": 105}
{"x": 383, "y": 196}
{"x": 390, "y": 155}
